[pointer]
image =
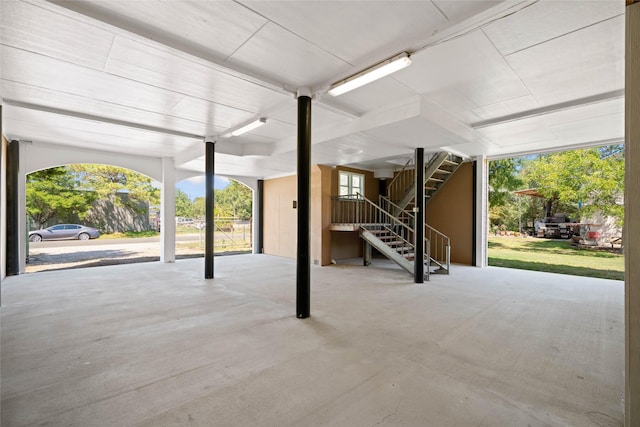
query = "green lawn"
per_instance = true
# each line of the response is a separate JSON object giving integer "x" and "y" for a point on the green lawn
{"x": 554, "y": 256}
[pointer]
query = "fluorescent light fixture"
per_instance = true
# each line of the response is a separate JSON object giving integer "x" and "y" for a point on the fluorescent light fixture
{"x": 376, "y": 72}
{"x": 246, "y": 128}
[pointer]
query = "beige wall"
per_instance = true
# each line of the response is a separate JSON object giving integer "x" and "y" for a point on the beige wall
{"x": 280, "y": 221}
{"x": 321, "y": 180}
{"x": 280, "y": 218}
{"x": 451, "y": 213}
{"x": 632, "y": 218}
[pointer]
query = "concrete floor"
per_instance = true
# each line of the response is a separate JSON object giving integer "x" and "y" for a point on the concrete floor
{"x": 156, "y": 345}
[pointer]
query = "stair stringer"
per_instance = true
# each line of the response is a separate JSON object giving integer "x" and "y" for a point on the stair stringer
{"x": 386, "y": 250}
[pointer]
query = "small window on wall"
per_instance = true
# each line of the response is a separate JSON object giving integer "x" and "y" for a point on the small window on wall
{"x": 350, "y": 183}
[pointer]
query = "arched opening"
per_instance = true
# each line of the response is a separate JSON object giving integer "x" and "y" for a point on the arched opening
{"x": 81, "y": 215}
{"x": 233, "y": 233}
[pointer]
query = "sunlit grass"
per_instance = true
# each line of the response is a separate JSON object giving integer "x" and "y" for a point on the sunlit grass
{"x": 554, "y": 256}
{"x": 130, "y": 234}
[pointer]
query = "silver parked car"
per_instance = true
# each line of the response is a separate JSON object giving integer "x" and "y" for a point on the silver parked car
{"x": 63, "y": 232}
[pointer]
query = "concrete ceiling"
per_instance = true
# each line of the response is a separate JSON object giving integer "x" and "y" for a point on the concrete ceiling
{"x": 155, "y": 78}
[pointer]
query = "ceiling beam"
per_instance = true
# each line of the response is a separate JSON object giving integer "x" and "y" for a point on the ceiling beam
{"x": 554, "y": 108}
{"x": 94, "y": 118}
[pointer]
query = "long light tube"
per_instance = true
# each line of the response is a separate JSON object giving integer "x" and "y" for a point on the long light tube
{"x": 376, "y": 72}
{"x": 246, "y": 128}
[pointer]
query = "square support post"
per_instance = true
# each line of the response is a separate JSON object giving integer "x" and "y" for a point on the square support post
{"x": 418, "y": 234}
{"x": 481, "y": 211}
{"x": 259, "y": 249}
{"x": 303, "y": 271}
{"x": 366, "y": 253}
{"x": 632, "y": 217}
{"x": 209, "y": 204}
{"x": 168, "y": 212}
{"x": 13, "y": 230}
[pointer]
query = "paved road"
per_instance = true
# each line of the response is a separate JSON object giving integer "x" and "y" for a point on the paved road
{"x": 101, "y": 242}
{"x": 58, "y": 254}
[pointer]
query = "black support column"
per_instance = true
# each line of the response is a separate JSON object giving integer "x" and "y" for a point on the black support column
{"x": 303, "y": 273}
{"x": 474, "y": 226}
{"x": 382, "y": 187}
{"x": 13, "y": 209}
{"x": 260, "y": 215}
{"x": 209, "y": 202}
{"x": 418, "y": 262}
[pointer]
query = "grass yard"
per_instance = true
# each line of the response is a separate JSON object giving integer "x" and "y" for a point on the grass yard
{"x": 554, "y": 256}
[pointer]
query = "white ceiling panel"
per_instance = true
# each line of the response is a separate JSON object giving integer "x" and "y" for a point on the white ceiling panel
{"x": 283, "y": 56}
{"x": 22, "y": 130}
{"x": 45, "y": 97}
{"x": 470, "y": 65}
{"x": 91, "y": 128}
{"x": 29, "y": 27}
{"x": 568, "y": 67}
{"x": 527, "y": 131}
{"x": 461, "y": 9}
{"x": 355, "y": 32}
{"x": 475, "y": 148}
{"x": 134, "y": 115}
{"x": 527, "y": 147}
{"x": 62, "y": 101}
{"x": 274, "y": 130}
{"x": 523, "y": 103}
{"x": 320, "y": 116}
{"x": 219, "y": 27}
{"x": 591, "y": 130}
{"x": 36, "y": 70}
{"x": 546, "y": 20}
{"x": 376, "y": 95}
{"x": 204, "y": 111}
{"x": 587, "y": 112}
{"x": 414, "y": 132}
{"x": 167, "y": 69}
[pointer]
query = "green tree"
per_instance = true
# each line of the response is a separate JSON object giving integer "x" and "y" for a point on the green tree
{"x": 184, "y": 205}
{"x": 588, "y": 180}
{"x": 52, "y": 193}
{"x": 503, "y": 180}
{"x": 198, "y": 207}
{"x": 236, "y": 199}
{"x": 107, "y": 181}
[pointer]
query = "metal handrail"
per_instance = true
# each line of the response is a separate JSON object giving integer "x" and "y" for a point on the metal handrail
{"x": 439, "y": 242}
{"x": 439, "y": 246}
{"x": 355, "y": 209}
{"x": 387, "y": 204}
{"x": 399, "y": 184}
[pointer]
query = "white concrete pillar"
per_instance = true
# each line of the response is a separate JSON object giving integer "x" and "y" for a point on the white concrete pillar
{"x": 481, "y": 211}
{"x": 255, "y": 227}
{"x": 168, "y": 212}
{"x": 632, "y": 217}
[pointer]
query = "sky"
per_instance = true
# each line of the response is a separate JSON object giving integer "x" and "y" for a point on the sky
{"x": 194, "y": 187}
